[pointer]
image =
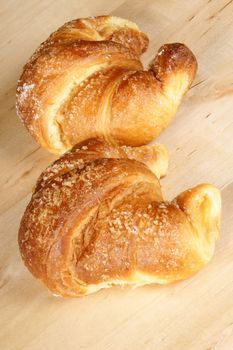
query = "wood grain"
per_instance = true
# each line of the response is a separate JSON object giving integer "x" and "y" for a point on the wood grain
{"x": 196, "y": 314}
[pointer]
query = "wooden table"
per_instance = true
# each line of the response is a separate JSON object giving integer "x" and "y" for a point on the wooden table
{"x": 195, "y": 314}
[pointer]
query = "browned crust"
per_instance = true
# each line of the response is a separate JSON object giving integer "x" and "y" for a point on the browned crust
{"x": 86, "y": 80}
{"x": 94, "y": 221}
{"x": 155, "y": 157}
{"x": 148, "y": 100}
{"x": 174, "y": 58}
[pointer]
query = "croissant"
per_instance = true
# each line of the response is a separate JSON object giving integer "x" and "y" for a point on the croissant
{"x": 97, "y": 218}
{"x": 87, "y": 81}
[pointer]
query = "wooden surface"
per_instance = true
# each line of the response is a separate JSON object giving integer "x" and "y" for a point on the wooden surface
{"x": 195, "y": 314}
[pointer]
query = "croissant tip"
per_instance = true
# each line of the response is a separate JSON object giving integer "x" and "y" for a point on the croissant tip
{"x": 176, "y": 56}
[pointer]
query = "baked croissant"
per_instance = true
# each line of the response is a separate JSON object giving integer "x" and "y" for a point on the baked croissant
{"x": 86, "y": 81}
{"x": 97, "y": 218}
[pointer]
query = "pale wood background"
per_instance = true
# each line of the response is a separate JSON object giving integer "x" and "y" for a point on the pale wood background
{"x": 195, "y": 314}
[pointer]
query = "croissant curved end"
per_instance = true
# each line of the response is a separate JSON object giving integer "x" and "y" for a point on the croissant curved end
{"x": 175, "y": 66}
{"x": 202, "y": 205}
{"x": 160, "y": 166}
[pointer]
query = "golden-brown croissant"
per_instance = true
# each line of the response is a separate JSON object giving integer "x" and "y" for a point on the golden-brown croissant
{"x": 86, "y": 80}
{"x": 97, "y": 218}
